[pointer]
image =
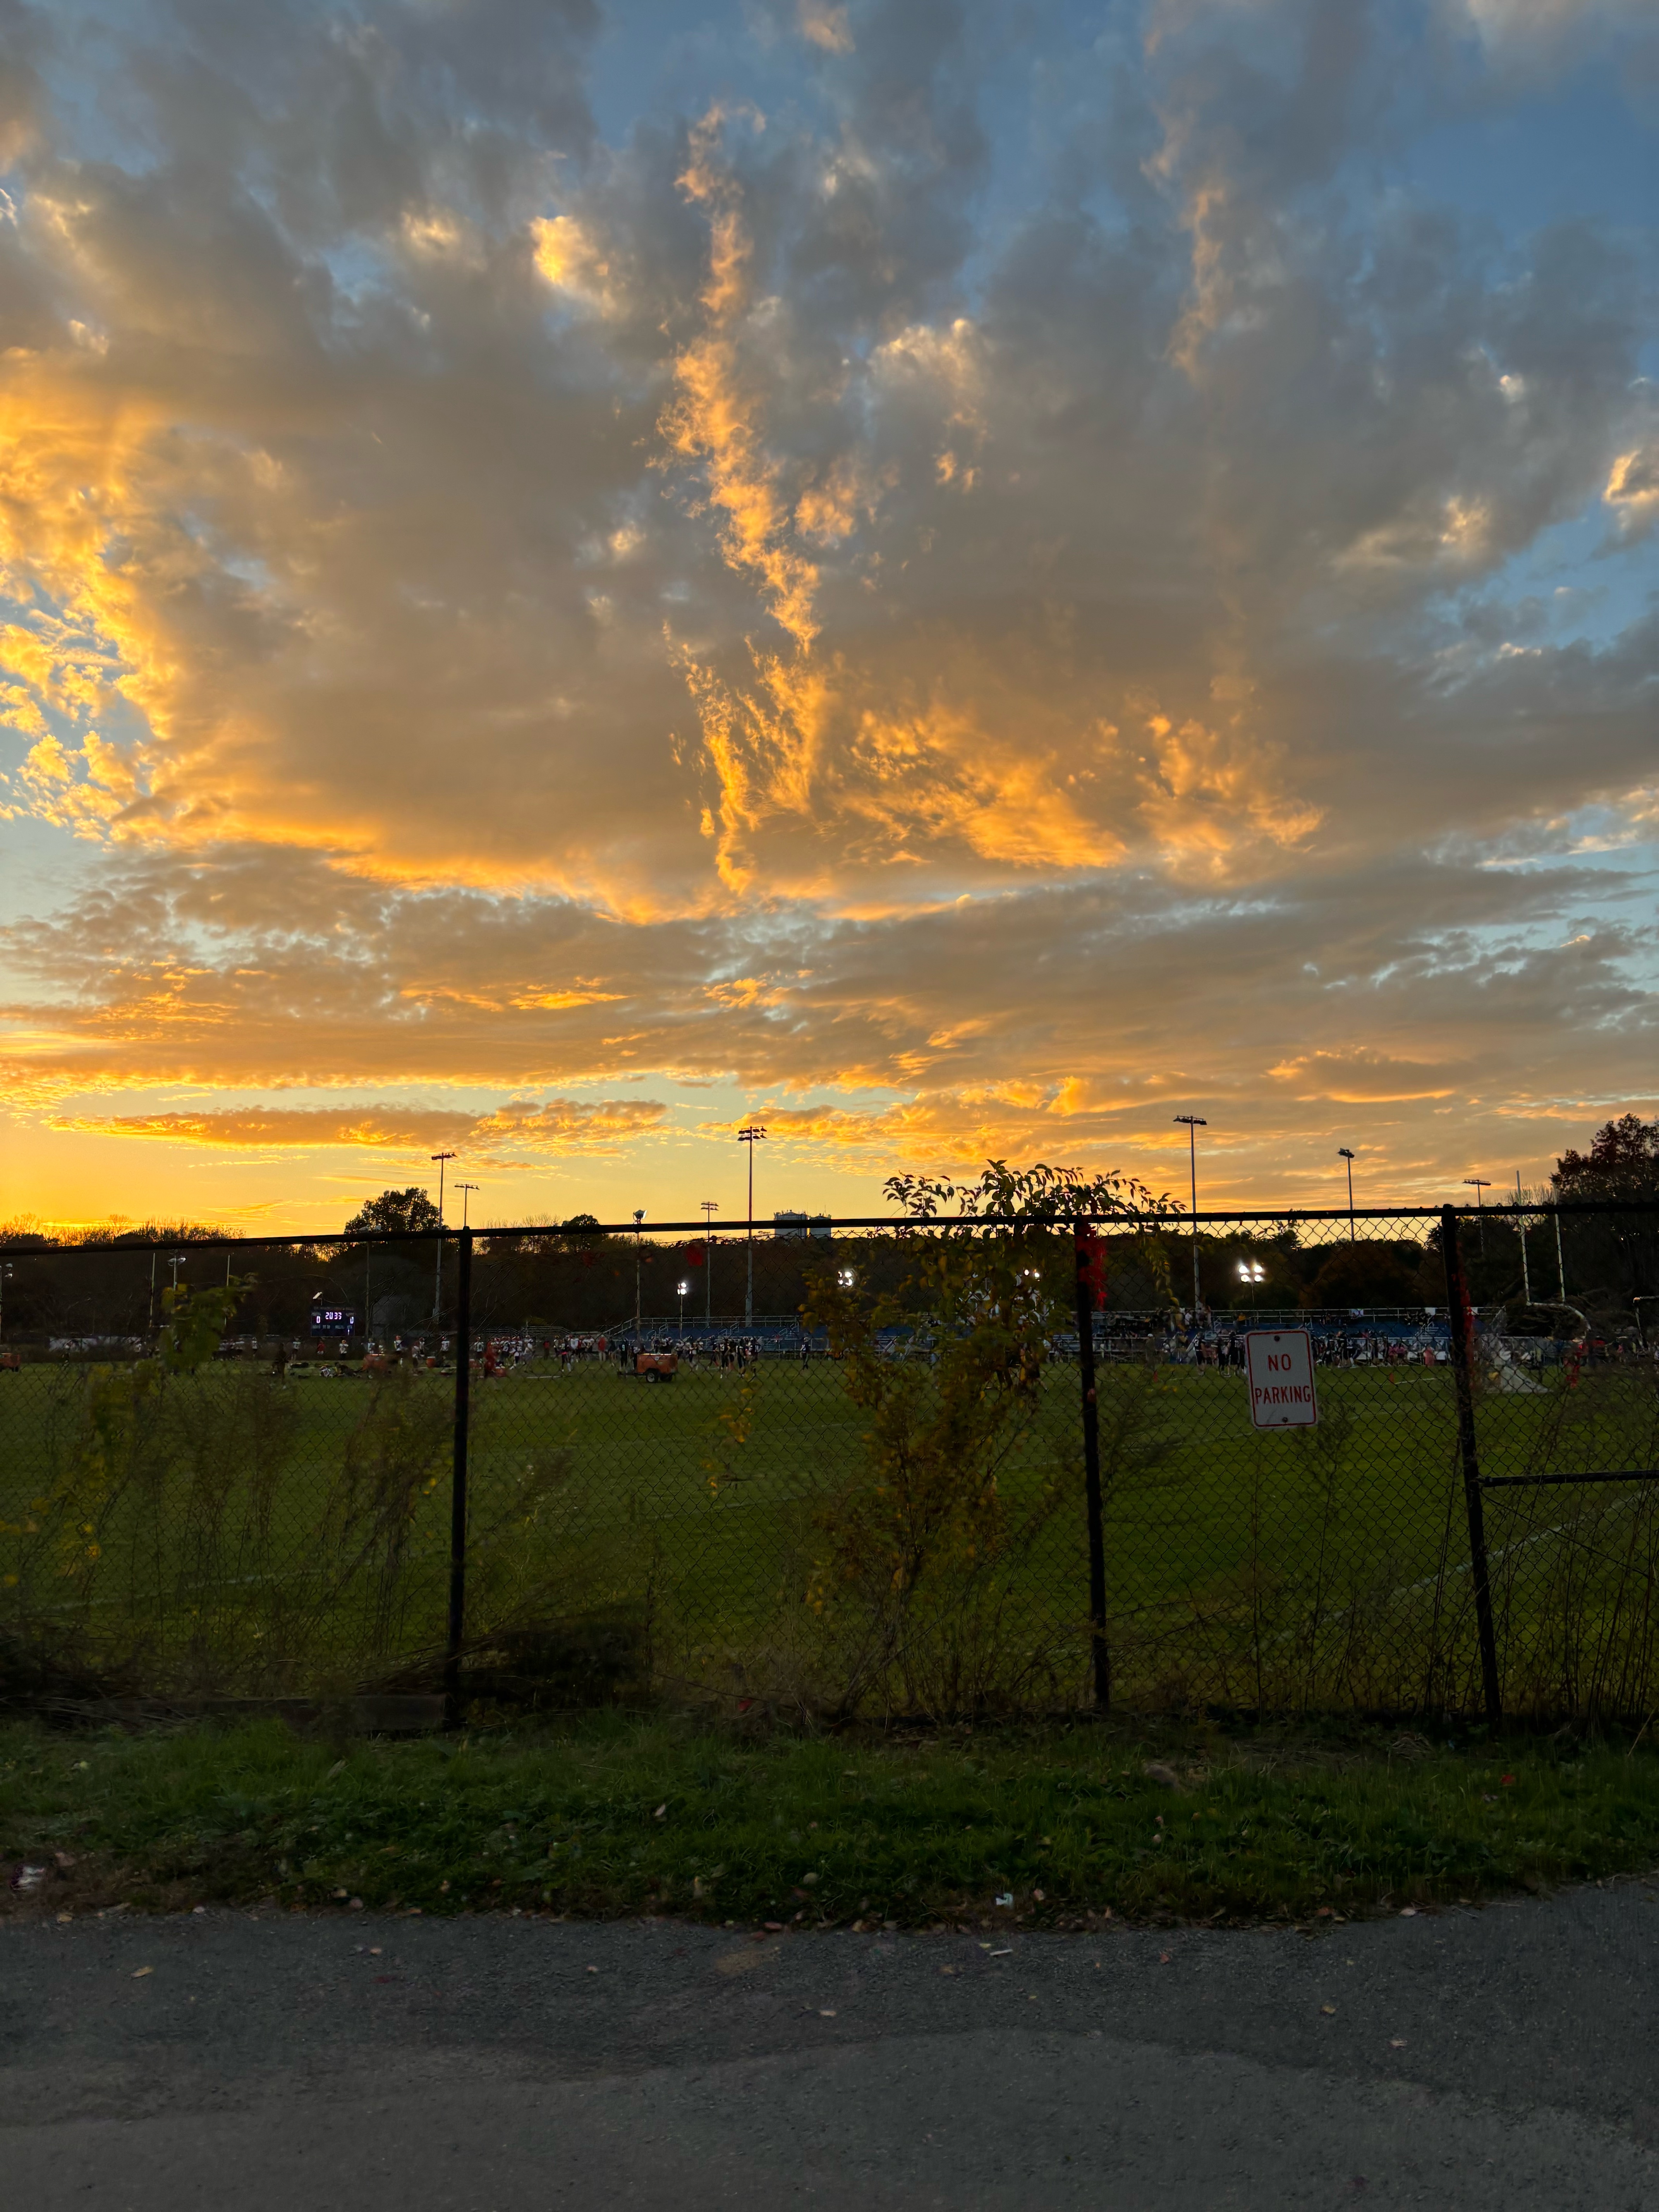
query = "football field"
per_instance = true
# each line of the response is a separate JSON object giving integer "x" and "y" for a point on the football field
{"x": 233, "y": 1530}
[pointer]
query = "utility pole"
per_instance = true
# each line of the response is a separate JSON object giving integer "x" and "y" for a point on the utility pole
{"x": 711, "y": 1207}
{"x": 1480, "y": 1184}
{"x": 1343, "y": 1153}
{"x": 1193, "y": 1123}
{"x": 438, "y": 1273}
{"x": 751, "y": 1134}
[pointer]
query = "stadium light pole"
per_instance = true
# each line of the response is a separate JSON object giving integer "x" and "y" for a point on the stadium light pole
{"x": 1521, "y": 1226}
{"x": 639, "y": 1216}
{"x": 1193, "y": 1123}
{"x": 711, "y": 1207}
{"x": 751, "y": 1134}
{"x": 463, "y": 1188}
{"x": 6, "y": 1273}
{"x": 685, "y": 1287}
{"x": 1480, "y": 1183}
{"x": 438, "y": 1274}
{"x": 1343, "y": 1153}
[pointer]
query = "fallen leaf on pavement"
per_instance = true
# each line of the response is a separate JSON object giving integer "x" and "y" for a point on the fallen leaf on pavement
{"x": 138, "y": 1973}
{"x": 1328, "y": 2008}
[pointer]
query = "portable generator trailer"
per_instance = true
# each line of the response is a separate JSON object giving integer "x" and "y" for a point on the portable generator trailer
{"x": 652, "y": 1367}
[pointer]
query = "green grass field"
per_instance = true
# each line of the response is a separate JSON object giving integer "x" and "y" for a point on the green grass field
{"x": 231, "y": 1532}
{"x": 1006, "y": 1825}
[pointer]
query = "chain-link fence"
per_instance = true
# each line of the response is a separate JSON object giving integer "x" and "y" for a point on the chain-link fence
{"x": 1400, "y": 1463}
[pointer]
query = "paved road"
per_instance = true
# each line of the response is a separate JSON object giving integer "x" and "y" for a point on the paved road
{"x": 266, "y": 2064}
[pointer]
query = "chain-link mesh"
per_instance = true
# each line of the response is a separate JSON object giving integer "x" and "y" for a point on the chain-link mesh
{"x": 1568, "y": 1461}
{"x": 809, "y": 1483}
{"x": 841, "y": 1466}
{"x": 210, "y": 1486}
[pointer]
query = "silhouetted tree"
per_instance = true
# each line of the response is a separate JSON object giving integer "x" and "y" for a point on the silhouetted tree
{"x": 1622, "y": 1163}
{"x": 393, "y": 1210}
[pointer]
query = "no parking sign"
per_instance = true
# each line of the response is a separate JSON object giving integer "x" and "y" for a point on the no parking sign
{"x": 1281, "y": 1378}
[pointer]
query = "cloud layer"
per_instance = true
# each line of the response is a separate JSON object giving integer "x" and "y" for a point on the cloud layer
{"x": 1006, "y": 572}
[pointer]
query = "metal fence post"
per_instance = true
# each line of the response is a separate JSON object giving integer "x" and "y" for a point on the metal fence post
{"x": 458, "y": 1481}
{"x": 1086, "y": 1366}
{"x": 1462, "y": 1351}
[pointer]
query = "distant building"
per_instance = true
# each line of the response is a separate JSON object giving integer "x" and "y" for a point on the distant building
{"x": 801, "y": 1225}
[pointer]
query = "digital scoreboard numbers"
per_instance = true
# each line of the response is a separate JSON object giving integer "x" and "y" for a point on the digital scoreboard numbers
{"x": 1279, "y": 1363}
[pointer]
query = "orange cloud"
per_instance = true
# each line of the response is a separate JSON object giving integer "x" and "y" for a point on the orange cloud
{"x": 559, "y": 1126}
{"x": 372, "y": 722}
{"x": 715, "y": 419}
{"x": 1359, "y": 1077}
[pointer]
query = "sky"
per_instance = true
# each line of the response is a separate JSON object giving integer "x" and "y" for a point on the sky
{"x": 957, "y": 580}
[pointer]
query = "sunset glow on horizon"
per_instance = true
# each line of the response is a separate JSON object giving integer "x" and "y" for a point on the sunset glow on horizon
{"x": 954, "y": 579}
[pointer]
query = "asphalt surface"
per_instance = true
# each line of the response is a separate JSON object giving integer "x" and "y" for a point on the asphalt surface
{"x": 1505, "y": 2058}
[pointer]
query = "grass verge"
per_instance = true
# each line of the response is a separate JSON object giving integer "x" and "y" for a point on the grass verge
{"x": 620, "y": 1816}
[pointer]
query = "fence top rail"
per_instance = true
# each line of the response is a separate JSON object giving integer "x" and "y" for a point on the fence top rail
{"x": 1126, "y": 1223}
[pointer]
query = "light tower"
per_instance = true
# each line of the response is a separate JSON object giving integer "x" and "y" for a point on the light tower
{"x": 1343, "y": 1153}
{"x": 750, "y": 1134}
{"x": 711, "y": 1207}
{"x": 1193, "y": 1123}
{"x": 1480, "y": 1183}
{"x": 438, "y": 1272}
{"x": 1521, "y": 1223}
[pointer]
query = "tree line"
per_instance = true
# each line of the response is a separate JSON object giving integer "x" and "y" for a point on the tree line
{"x": 571, "y": 1275}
